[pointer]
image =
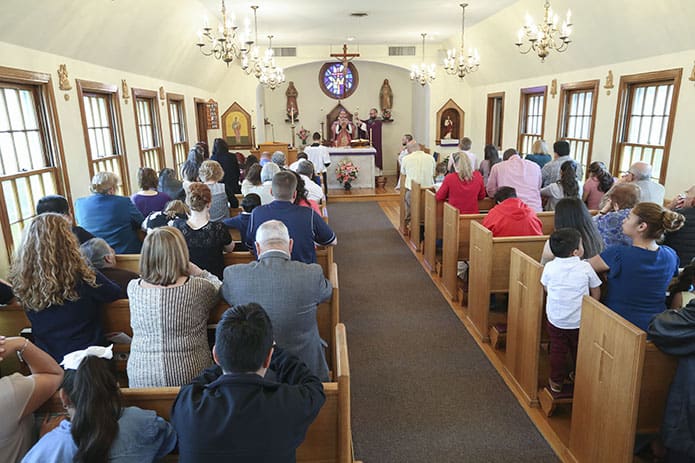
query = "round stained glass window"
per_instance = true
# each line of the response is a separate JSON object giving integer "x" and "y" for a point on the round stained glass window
{"x": 338, "y": 82}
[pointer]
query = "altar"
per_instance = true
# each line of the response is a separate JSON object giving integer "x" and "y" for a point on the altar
{"x": 363, "y": 158}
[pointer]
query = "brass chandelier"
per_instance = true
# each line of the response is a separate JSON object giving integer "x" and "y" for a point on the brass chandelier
{"x": 547, "y": 36}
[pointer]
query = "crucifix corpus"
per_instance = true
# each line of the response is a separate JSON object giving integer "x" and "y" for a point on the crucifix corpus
{"x": 345, "y": 57}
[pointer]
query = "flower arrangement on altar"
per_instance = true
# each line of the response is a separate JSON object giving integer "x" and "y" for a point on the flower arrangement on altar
{"x": 303, "y": 135}
{"x": 346, "y": 172}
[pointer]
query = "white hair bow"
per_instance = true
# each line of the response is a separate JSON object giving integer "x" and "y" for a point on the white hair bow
{"x": 73, "y": 360}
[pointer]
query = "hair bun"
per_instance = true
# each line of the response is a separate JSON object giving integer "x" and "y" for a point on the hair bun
{"x": 672, "y": 221}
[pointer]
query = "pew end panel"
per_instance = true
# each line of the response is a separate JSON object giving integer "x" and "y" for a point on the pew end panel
{"x": 417, "y": 214}
{"x": 450, "y": 245}
{"x": 610, "y": 360}
{"x": 524, "y": 322}
{"x": 434, "y": 211}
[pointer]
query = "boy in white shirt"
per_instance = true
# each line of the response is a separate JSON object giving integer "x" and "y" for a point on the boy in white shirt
{"x": 566, "y": 279}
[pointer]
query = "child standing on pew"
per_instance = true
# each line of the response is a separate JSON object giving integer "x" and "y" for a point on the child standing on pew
{"x": 566, "y": 279}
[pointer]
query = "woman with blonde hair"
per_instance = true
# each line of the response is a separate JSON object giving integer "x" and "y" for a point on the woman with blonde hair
{"x": 60, "y": 292}
{"x": 638, "y": 275}
{"x": 463, "y": 188}
{"x": 211, "y": 173}
{"x": 206, "y": 240}
{"x": 175, "y": 209}
{"x": 169, "y": 309}
{"x": 541, "y": 153}
{"x": 109, "y": 216}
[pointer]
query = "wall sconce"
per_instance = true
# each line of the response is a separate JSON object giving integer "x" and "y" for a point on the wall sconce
{"x": 64, "y": 81}
{"x": 609, "y": 82}
{"x": 125, "y": 90}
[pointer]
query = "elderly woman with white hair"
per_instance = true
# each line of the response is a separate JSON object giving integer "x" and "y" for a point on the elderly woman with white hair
{"x": 109, "y": 216}
{"x": 268, "y": 171}
{"x": 102, "y": 257}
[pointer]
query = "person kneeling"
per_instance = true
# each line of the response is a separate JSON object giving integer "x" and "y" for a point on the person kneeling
{"x": 235, "y": 411}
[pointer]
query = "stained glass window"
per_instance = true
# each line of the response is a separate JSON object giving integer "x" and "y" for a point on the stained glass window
{"x": 338, "y": 82}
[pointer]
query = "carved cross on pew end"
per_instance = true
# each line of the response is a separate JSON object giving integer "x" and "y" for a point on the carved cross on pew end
{"x": 603, "y": 353}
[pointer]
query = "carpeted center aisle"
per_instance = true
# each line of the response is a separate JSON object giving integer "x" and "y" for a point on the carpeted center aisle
{"x": 422, "y": 391}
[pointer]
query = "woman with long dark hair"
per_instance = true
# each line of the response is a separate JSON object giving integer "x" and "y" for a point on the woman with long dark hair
{"x": 230, "y": 165}
{"x": 572, "y": 213}
{"x": 99, "y": 429}
{"x": 597, "y": 185}
{"x": 566, "y": 187}
{"x": 492, "y": 157}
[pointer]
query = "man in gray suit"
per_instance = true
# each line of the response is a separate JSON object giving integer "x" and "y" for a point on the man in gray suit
{"x": 288, "y": 290}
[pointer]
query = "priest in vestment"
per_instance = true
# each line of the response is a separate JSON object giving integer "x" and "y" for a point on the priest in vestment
{"x": 343, "y": 130}
{"x": 372, "y": 127}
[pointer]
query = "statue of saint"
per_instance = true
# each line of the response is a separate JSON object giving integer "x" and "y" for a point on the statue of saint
{"x": 292, "y": 108}
{"x": 386, "y": 96}
{"x": 343, "y": 130}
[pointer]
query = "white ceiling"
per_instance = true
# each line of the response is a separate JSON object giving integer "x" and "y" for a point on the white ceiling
{"x": 316, "y": 22}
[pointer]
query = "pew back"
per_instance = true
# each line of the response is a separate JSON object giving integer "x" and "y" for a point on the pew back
{"x": 417, "y": 214}
{"x": 324, "y": 257}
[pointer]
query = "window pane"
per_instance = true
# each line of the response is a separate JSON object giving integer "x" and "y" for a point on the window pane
{"x": 4, "y": 119}
{"x": 14, "y": 110}
{"x": 36, "y": 149}
{"x": 28, "y": 111}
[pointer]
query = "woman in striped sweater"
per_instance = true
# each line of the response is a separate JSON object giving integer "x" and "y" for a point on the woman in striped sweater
{"x": 169, "y": 308}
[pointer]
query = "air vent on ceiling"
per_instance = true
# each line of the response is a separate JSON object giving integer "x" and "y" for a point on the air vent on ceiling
{"x": 401, "y": 51}
{"x": 285, "y": 51}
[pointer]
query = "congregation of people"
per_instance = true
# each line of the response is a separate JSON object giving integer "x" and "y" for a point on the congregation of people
{"x": 614, "y": 239}
{"x": 257, "y": 378}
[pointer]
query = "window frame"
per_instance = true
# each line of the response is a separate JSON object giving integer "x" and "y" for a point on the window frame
{"x": 621, "y": 126}
{"x": 179, "y": 99}
{"x": 151, "y": 95}
{"x": 524, "y": 95}
{"x": 491, "y": 97}
{"x": 41, "y": 85}
{"x": 111, "y": 91}
{"x": 566, "y": 91}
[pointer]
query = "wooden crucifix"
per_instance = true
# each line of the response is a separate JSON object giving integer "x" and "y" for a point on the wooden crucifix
{"x": 345, "y": 57}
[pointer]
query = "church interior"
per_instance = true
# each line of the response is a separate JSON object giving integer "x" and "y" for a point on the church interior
{"x": 145, "y": 56}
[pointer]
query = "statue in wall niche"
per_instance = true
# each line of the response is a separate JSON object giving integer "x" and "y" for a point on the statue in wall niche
{"x": 386, "y": 96}
{"x": 63, "y": 80}
{"x": 292, "y": 108}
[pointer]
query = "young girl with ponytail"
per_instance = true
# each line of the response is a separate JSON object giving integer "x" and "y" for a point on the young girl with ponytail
{"x": 99, "y": 429}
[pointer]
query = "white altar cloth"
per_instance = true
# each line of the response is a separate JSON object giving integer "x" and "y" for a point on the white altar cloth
{"x": 361, "y": 157}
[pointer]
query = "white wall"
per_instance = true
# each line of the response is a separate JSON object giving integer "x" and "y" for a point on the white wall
{"x": 678, "y": 177}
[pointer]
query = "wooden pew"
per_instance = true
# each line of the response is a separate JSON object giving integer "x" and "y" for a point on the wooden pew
{"x": 434, "y": 226}
{"x": 456, "y": 245}
{"x": 621, "y": 386}
{"x": 329, "y": 438}
{"x": 12, "y": 321}
{"x": 524, "y": 320}
{"x": 417, "y": 214}
{"x": 489, "y": 270}
{"x": 402, "y": 227}
{"x": 324, "y": 257}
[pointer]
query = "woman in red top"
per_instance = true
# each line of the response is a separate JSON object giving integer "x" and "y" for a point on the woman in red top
{"x": 463, "y": 188}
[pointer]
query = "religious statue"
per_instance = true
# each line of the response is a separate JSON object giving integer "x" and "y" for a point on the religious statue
{"x": 292, "y": 108}
{"x": 63, "y": 81}
{"x": 125, "y": 91}
{"x": 609, "y": 82}
{"x": 236, "y": 127}
{"x": 343, "y": 130}
{"x": 386, "y": 96}
{"x": 370, "y": 129}
{"x": 448, "y": 128}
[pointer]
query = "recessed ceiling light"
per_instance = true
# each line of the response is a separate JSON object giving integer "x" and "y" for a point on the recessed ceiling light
{"x": 359, "y": 14}
{"x": 350, "y": 39}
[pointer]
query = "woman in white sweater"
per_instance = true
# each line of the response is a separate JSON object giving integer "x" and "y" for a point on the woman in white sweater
{"x": 169, "y": 309}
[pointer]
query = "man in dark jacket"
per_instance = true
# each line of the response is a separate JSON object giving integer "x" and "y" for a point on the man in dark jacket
{"x": 683, "y": 240}
{"x": 673, "y": 331}
{"x": 234, "y": 412}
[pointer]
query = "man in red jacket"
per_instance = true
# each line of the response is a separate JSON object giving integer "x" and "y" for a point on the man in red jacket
{"x": 511, "y": 216}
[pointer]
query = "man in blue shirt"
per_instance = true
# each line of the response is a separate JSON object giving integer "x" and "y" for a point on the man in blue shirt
{"x": 306, "y": 227}
{"x": 234, "y": 411}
